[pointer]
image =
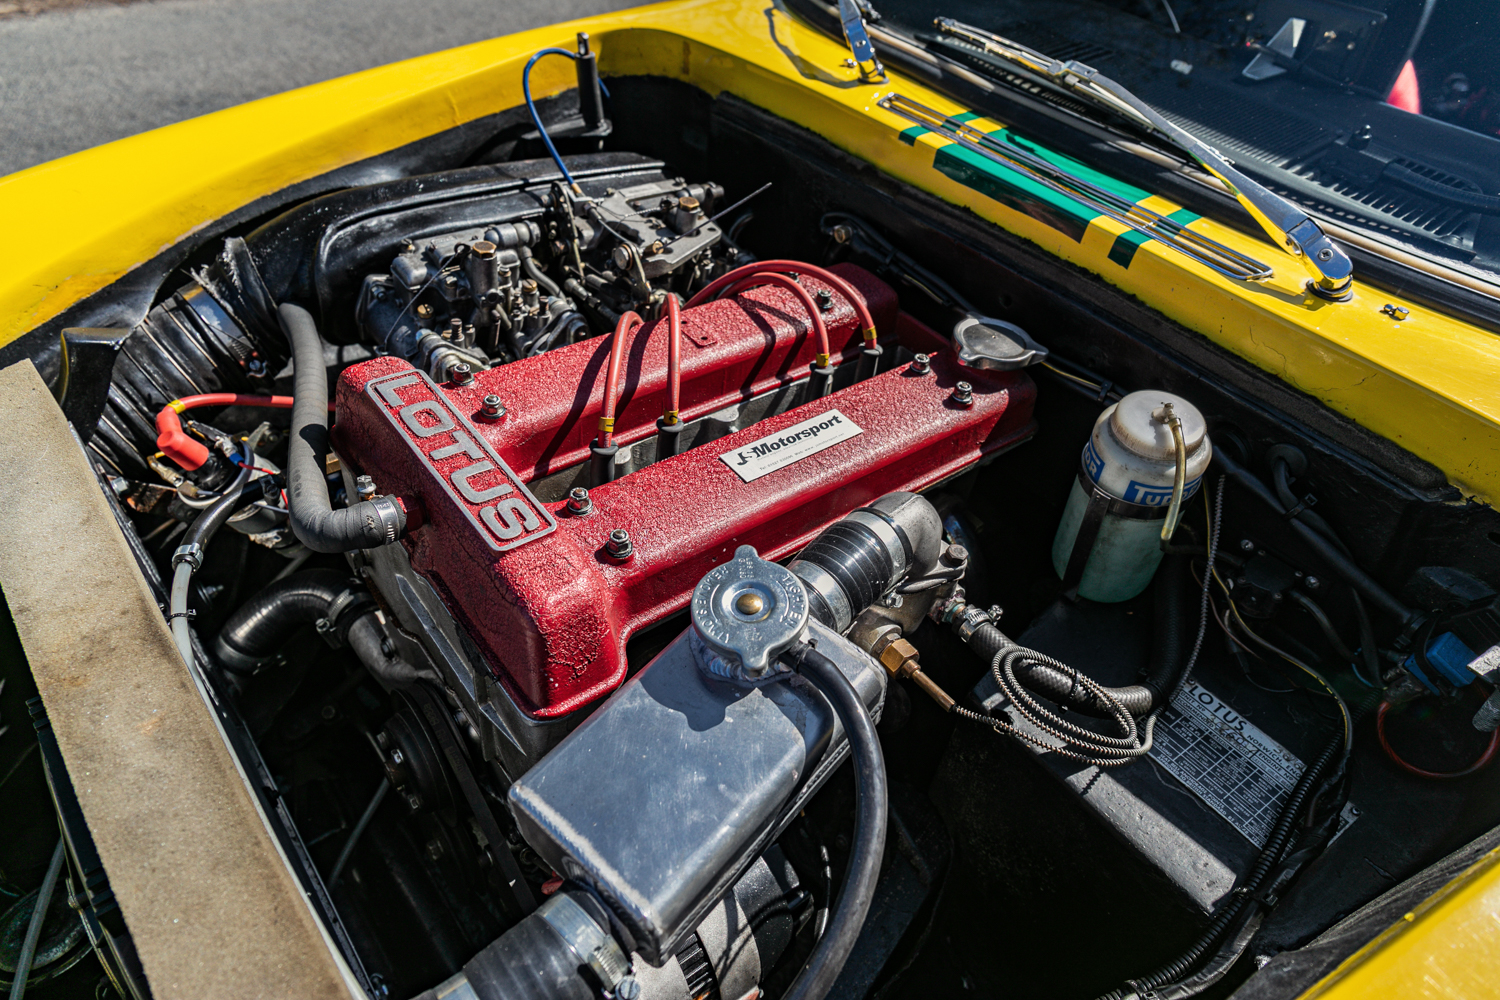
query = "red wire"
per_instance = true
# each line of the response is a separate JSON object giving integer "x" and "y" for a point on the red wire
{"x": 714, "y": 288}
{"x": 628, "y": 324}
{"x": 228, "y": 399}
{"x": 674, "y": 356}
{"x": 1483, "y": 759}
{"x": 782, "y": 281}
{"x": 189, "y": 452}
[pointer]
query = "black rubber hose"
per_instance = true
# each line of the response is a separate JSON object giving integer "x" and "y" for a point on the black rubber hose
{"x": 1327, "y": 550}
{"x": 316, "y": 524}
{"x": 1281, "y": 481}
{"x": 1056, "y": 685}
{"x": 1474, "y": 201}
{"x": 1275, "y": 848}
{"x": 243, "y": 490}
{"x": 534, "y": 271}
{"x": 871, "y": 810}
{"x": 1169, "y": 635}
{"x": 1138, "y": 699}
{"x": 260, "y": 626}
{"x": 1335, "y": 641}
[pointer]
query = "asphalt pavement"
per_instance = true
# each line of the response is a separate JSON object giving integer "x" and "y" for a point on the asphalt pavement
{"x": 73, "y": 79}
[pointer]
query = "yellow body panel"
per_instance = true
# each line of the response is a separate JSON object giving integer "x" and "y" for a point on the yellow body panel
{"x": 74, "y": 225}
{"x": 1446, "y": 948}
{"x": 1431, "y": 383}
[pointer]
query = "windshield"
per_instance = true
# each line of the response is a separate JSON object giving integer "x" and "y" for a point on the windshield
{"x": 1382, "y": 118}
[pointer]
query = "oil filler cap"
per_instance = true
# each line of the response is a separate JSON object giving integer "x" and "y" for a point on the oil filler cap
{"x": 746, "y": 613}
{"x": 995, "y": 345}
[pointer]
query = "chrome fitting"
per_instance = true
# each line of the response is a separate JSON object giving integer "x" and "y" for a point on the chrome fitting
{"x": 963, "y": 394}
{"x": 580, "y": 503}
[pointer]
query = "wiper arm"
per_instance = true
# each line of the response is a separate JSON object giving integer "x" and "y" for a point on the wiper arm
{"x": 1291, "y": 228}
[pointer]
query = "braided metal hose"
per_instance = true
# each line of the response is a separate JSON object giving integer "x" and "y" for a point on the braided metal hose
{"x": 1017, "y": 669}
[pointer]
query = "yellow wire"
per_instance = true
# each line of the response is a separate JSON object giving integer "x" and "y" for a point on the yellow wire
{"x": 1288, "y": 657}
{"x": 1071, "y": 377}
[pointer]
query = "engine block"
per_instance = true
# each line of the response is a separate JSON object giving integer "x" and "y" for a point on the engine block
{"x": 533, "y": 584}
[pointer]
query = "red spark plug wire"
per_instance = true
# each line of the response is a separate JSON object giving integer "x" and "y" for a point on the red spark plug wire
{"x": 748, "y": 281}
{"x": 674, "y": 360}
{"x": 626, "y": 327}
{"x": 715, "y": 288}
{"x": 1483, "y": 759}
{"x": 187, "y": 451}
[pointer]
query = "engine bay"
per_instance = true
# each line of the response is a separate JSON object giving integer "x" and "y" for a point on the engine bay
{"x": 695, "y": 565}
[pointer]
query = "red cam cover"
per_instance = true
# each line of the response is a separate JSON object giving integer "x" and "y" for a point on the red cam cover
{"x": 533, "y": 585}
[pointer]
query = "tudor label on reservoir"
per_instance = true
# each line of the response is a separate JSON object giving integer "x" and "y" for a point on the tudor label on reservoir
{"x": 791, "y": 444}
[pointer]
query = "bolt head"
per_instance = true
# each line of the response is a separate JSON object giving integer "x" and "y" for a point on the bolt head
{"x": 963, "y": 394}
{"x": 365, "y": 487}
{"x": 397, "y": 757}
{"x": 921, "y": 364}
{"x": 628, "y": 988}
{"x": 492, "y": 407}
{"x": 460, "y": 373}
{"x": 579, "y": 501}
{"x": 1312, "y": 582}
{"x": 1246, "y": 545}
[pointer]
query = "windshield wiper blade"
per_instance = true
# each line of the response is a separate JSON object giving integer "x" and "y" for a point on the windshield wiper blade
{"x": 1328, "y": 266}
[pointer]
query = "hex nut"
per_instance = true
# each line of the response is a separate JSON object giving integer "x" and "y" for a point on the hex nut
{"x": 899, "y": 656}
{"x": 619, "y": 545}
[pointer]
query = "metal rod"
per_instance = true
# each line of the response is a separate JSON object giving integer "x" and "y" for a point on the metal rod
{"x": 720, "y": 215}
{"x": 359, "y": 828}
{"x": 38, "y": 918}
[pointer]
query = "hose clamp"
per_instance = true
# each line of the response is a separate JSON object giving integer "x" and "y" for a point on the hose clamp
{"x": 587, "y": 940}
{"x": 192, "y": 554}
{"x": 892, "y": 536}
{"x": 342, "y": 610}
{"x": 389, "y": 520}
{"x": 972, "y": 620}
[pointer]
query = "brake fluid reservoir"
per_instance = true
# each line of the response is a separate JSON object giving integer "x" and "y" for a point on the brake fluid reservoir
{"x": 1109, "y": 542}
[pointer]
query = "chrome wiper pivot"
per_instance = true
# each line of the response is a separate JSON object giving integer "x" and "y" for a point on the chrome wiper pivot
{"x": 1331, "y": 274}
{"x": 858, "y": 37}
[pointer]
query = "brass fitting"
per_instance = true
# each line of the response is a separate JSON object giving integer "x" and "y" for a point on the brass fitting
{"x": 902, "y": 659}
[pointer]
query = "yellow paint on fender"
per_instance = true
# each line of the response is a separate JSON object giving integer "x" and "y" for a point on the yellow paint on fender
{"x": 1431, "y": 383}
{"x": 1448, "y": 947}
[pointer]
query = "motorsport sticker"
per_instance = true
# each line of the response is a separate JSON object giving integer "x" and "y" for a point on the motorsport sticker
{"x": 791, "y": 444}
{"x": 1239, "y": 771}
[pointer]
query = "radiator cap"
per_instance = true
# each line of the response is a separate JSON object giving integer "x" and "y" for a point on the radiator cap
{"x": 746, "y": 613}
